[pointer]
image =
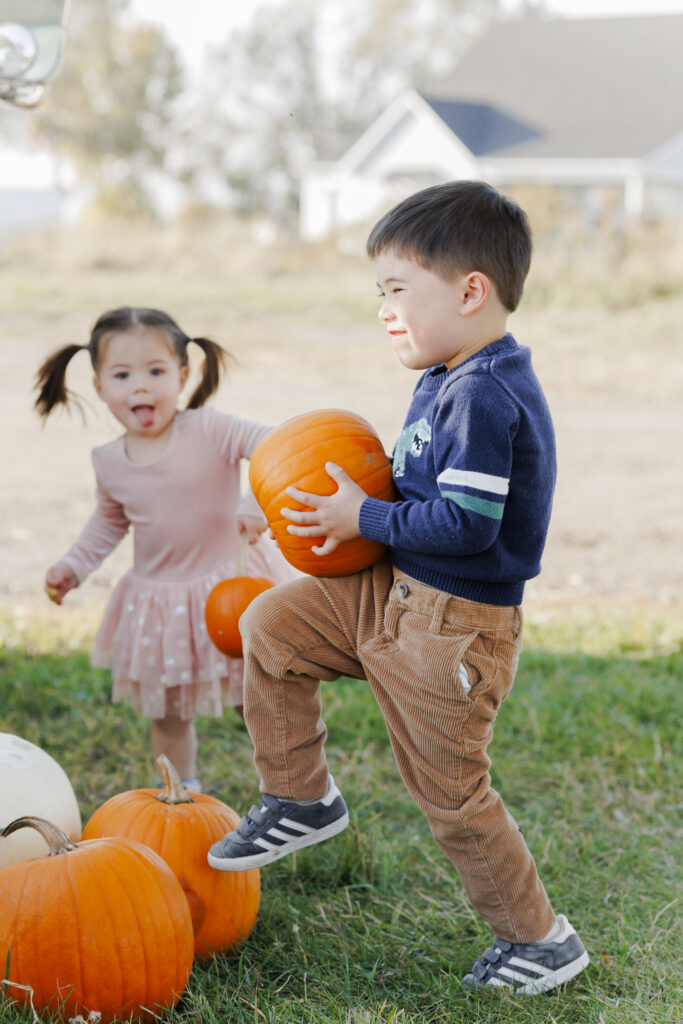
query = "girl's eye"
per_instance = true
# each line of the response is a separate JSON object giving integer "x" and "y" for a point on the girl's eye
{"x": 395, "y": 291}
{"x": 121, "y": 375}
{"x": 157, "y": 371}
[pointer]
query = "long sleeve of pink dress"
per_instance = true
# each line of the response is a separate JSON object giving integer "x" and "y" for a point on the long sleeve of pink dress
{"x": 183, "y": 513}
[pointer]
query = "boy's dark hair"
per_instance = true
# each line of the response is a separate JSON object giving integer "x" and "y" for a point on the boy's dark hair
{"x": 459, "y": 227}
{"x": 51, "y": 377}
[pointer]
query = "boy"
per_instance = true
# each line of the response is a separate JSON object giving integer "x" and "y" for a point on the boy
{"x": 435, "y": 627}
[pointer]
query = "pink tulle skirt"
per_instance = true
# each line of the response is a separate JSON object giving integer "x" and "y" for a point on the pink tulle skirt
{"x": 153, "y": 637}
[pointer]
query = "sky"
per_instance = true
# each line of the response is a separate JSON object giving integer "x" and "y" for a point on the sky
{"x": 193, "y": 26}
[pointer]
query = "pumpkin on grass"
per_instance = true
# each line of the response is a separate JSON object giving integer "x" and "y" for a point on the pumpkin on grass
{"x": 294, "y": 454}
{"x": 181, "y": 827}
{"x": 227, "y": 601}
{"x": 98, "y": 926}
{"x": 33, "y": 783}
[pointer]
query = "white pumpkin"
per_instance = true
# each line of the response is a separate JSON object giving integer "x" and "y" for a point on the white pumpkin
{"x": 31, "y": 782}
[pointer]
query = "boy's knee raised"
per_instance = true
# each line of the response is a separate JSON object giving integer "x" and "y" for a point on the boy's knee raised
{"x": 258, "y": 615}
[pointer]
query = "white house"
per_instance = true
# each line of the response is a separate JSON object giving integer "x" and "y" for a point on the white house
{"x": 588, "y": 105}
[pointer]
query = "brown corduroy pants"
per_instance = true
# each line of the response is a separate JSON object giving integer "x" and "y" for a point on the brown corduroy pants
{"x": 411, "y": 642}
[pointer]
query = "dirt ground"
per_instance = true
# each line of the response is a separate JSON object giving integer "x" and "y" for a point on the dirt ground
{"x": 613, "y": 382}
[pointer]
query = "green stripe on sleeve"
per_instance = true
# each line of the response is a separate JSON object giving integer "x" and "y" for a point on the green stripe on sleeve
{"x": 492, "y": 509}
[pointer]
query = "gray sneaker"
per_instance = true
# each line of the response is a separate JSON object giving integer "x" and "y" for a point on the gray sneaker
{"x": 529, "y": 967}
{"x": 279, "y": 827}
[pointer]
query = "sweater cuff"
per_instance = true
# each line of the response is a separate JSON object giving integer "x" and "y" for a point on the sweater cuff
{"x": 373, "y": 519}
{"x": 76, "y": 566}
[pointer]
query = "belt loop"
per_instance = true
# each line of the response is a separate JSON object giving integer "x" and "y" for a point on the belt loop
{"x": 438, "y": 613}
{"x": 517, "y": 621}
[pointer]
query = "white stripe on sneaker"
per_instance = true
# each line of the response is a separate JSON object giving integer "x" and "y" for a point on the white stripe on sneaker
{"x": 557, "y": 977}
{"x": 272, "y": 852}
{"x": 265, "y": 844}
{"x": 280, "y": 835}
{"x": 305, "y": 829}
{"x": 529, "y": 965}
{"x": 517, "y": 975}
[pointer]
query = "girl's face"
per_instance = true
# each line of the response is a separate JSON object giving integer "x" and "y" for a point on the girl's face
{"x": 140, "y": 378}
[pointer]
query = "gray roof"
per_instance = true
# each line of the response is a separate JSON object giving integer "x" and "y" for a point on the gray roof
{"x": 482, "y": 128}
{"x": 599, "y": 87}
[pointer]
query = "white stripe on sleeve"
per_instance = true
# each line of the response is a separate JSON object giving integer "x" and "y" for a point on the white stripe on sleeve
{"x": 481, "y": 481}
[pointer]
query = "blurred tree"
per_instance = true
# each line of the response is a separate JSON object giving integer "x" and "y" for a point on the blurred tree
{"x": 110, "y": 108}
{"x": 304, "y": 79}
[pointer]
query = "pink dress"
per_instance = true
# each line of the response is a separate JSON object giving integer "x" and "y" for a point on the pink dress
{"x": 183, "y": 512}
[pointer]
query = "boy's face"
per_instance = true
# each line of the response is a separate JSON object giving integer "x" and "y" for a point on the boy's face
{"x": 422, "y": 312}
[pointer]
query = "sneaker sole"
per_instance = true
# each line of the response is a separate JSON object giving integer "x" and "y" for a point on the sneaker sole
{"x": 558, "y": 977}
{"x": 259, "y": 860}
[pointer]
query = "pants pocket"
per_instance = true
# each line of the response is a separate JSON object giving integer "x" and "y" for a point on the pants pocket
{"x": 490, "y": 663}
{"x": 417, "y": 653}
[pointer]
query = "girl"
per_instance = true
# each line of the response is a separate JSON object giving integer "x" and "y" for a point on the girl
{"x": 174, "y": 477}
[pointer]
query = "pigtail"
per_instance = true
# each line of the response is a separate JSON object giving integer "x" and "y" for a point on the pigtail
{"x": 215, "y": 361}
{"x": 51, "y": 379}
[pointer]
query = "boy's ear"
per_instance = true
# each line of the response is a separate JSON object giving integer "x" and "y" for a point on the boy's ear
{"x": 97, "y": 386}
{"x": 476, "y": 290}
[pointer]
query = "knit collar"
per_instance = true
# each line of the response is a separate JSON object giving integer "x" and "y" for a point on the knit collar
{"x": 438, "y": 375}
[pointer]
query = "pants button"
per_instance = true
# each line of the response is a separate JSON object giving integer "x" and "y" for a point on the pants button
{"x": 403, "y": 589}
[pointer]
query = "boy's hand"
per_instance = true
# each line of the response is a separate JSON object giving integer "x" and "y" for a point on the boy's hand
{"x": 334, "y": 517}
{"x": 252, "y": 526}
{"x": 59, "y": 580}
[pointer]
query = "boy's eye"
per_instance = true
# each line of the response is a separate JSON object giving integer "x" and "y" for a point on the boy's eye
{"x": 157, "y": 371}
{"x": 120, "y": 375}
{"x": 395, "y": 291}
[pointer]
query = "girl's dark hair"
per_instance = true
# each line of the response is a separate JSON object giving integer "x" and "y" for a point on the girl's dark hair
{"x": 459, "y": 227}
{"x": 51, "y": 377}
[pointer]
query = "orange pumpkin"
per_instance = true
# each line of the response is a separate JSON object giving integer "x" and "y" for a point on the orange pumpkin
{"x": 181, "y": 827}
{"x": 225, "y": 604}
{"x": 295, "y": 454}
{"x": 94, "y": 926}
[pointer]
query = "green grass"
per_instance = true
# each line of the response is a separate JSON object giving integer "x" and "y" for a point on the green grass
{"x": 373, "y": 926}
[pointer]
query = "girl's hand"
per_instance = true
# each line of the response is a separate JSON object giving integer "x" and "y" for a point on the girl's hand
{"x": 252, "y": 526}
{"x": 335, "y": 517}
{"x": 59, "y": 580}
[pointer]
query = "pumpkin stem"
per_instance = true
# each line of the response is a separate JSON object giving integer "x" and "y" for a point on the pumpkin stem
{"x": 57, "y": 840}
{"x": 242, "y": 556}
{"x": 173, "y": 792}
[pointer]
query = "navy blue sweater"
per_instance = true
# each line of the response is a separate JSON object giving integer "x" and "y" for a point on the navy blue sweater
{"x": 475, "y": 471}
